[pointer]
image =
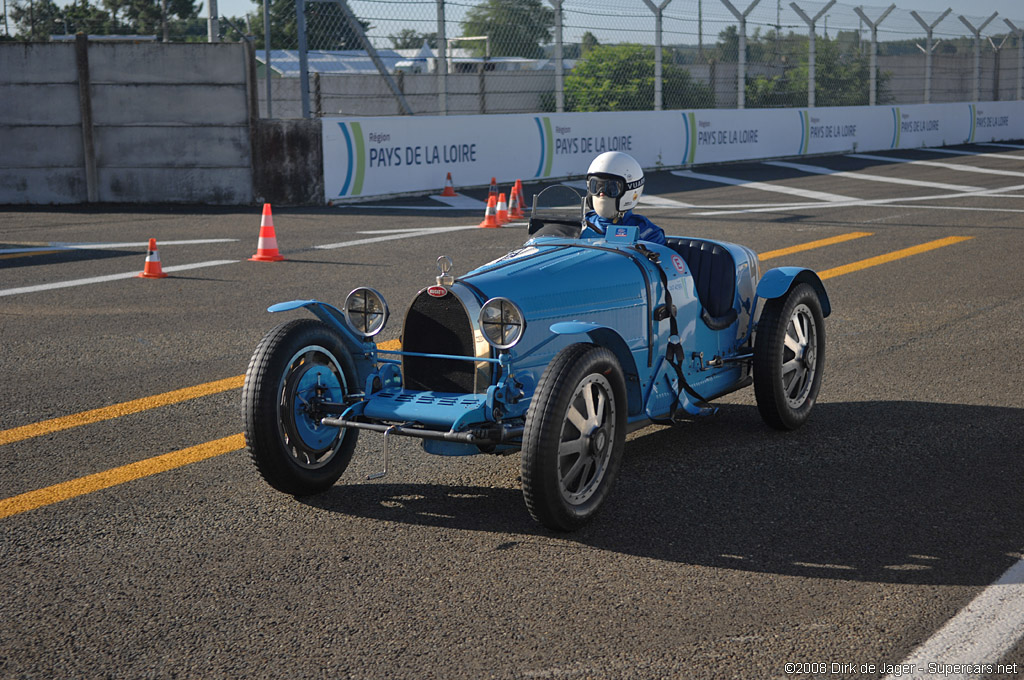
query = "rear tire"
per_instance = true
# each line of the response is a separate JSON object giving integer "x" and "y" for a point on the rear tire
{"x": 574, "y": 438}
{"x": 295, "y": 366}
{"x": 789, "y": 357}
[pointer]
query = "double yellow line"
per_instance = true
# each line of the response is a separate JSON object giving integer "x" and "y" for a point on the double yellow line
{"x": 169, "y": 461}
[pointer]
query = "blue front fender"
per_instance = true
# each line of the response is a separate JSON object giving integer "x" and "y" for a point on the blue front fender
{"x": 363, "y": 352}
{"x": 776, "y": 282}
{"x": 609, "y": 339}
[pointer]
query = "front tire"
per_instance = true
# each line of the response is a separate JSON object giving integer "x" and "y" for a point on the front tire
{"x": 295, "y": 367}
{"x": 789, "y": 357}
{"x": 574, "y": 438}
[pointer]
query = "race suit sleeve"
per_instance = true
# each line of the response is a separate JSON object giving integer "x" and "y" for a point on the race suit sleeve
{"x": 649, "y": 231}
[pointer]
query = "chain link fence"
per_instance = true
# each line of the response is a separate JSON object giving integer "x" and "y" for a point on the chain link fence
{"x": 515, "y": 56}
{"x": 375, "y": 57}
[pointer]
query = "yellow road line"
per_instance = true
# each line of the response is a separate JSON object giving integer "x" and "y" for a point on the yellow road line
{"x": 11, "y": 256}
{"x": 117, "y": 410}
{"x": 889, "y": 257}
{"x": 119, "y": 475}
{"x": 842, "y": 238}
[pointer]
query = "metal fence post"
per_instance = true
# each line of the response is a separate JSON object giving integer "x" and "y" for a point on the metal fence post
{"x": 212, "y": 23}
{"x": 441, "y": 69}
{"x": 300, "y": 26}
{"x": 559, "y": 63}
{"x": 1019, "y": 32}
{"x": 810, "y": 45}
{"x": 977, "y": 49}
{"x": 741, "y": 58}
{"x": 929, "y": 48}
{"x": 873, "y": 25}
{"x": 357, "y": 29}
{"x": 85, "y": 109}
{"x": 266, "y": 53}
{"x": 657, "y": 9}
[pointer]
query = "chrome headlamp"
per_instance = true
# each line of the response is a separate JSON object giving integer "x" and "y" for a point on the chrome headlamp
{"x": 366, "y": 312}
{"x": 502, "y": 322}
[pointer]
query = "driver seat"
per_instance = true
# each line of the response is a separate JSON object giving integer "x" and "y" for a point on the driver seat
{"x": 714, "y": 278}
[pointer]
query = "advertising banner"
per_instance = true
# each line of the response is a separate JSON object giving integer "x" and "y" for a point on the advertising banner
{"x": 379, "y": 156}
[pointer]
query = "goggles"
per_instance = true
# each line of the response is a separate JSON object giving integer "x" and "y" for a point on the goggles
{"x": 612, "y": 187}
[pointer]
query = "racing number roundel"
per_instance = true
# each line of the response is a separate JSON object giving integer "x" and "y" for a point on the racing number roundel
{"x": 678, "y": 262}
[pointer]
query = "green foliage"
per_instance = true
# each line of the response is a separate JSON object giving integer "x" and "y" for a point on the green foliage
{"x": 410, "y": 39}
{"x": 326, "y": 27}
{"x": 621, "y": 78}
{"x": 39, "y": 19}
{"x": 517, "y": 28}
{"x": 842, "y": 77}
{"x": 587, "y": 43}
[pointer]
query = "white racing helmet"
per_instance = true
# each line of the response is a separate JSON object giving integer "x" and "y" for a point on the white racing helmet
{"x": 615, "y": 182}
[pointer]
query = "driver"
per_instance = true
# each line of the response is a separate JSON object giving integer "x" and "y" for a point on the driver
{"x": 614, "y": 183}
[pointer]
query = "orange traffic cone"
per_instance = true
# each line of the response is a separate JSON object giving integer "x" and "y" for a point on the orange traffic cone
{"x": 490, "y": 218}
{"x": 493, "y": 191}
{"x": 449, "y": 189}
{"x": 152, "y": 268}
{"x": 502, "y": 211}
{"x": 266, "y": 247}
{"x": 515, "y": 207}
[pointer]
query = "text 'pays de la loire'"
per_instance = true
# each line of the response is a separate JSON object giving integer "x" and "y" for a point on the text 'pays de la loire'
{"x": 726, "y": 137}
{"x": 422, "y": 154}
{"x": 591, "y": 145}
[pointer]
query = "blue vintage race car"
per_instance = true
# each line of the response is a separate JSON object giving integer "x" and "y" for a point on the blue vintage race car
{"x": 557, "y": 350}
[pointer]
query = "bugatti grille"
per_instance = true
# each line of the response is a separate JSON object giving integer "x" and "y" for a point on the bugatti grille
{"x": 438, "y": 326}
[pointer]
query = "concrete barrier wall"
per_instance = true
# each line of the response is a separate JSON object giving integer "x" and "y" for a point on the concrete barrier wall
{"x": 162, "y": 123}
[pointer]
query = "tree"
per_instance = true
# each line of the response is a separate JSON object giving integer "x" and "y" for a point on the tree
{"x": 326, "y": 27}
{"x": 145, "y": 17}
{"x": 516, "y": 28}
{"x": 37, "y": 19}
{"x": 409, "y": 39}
{"x": 621, "y": 78}
{"x": 839, "y": 80}
{"x": 587, "y": 43}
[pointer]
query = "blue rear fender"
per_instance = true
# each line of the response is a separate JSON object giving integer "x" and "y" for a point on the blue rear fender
{"x": 777, "y": 282}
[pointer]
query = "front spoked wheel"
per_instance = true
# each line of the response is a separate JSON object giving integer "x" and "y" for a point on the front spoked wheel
{"x": 574, "y": 437}
{"x": 789, "y": 357}
{"x": 297, "y": 369}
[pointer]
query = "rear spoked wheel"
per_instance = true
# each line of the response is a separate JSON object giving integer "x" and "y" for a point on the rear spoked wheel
{"x": 789, "y": 357}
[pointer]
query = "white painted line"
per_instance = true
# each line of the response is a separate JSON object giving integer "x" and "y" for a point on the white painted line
{"x": 109, "y": 246}
{"x": 818, "y": 170}
{"x": 109, "y": 277}
{"x": 903, "y": 201}
{"x": 763, "y": 186}
{"x": 460, "y": 202}
{"x": 1003, "y": 146}
{"x": 419, "y": 208}
{"x": 937, "y": 164}
{"x": 391, "y": 237}
{"x": 143, "y": 244}
{"x": 984, "y": 631}
{"x": 662, "y": 202}
{"x": 414, "y": 231}
{"x": 958, "y": 152}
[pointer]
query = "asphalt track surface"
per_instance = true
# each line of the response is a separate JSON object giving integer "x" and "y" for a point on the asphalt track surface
{"x": 139, "y": 542}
